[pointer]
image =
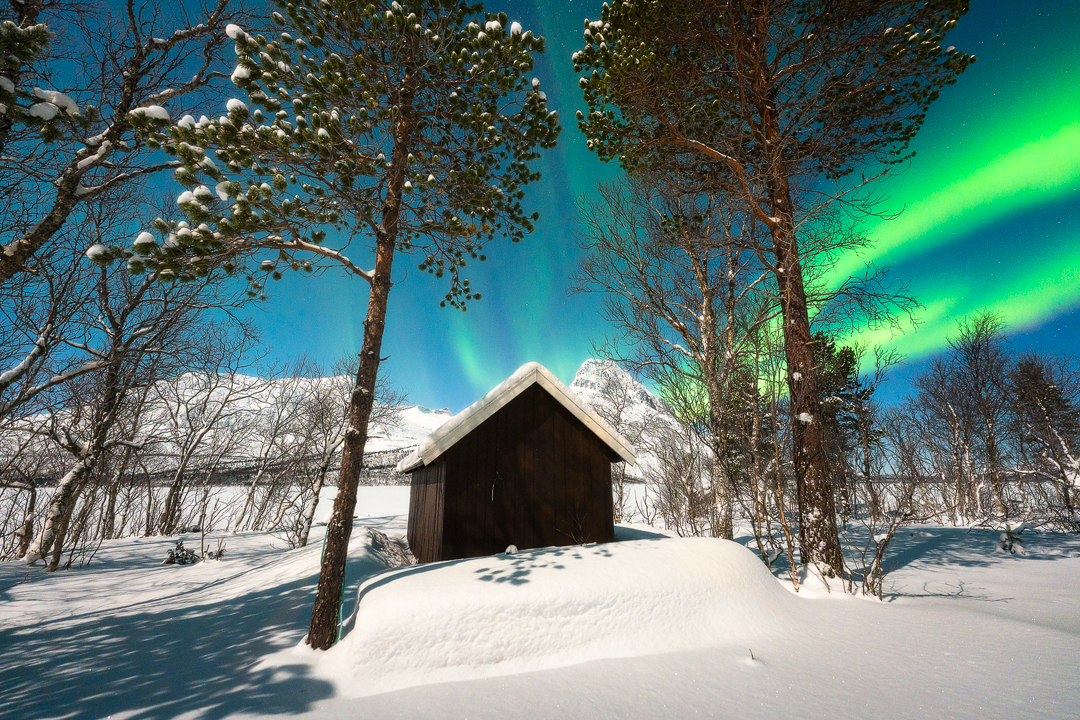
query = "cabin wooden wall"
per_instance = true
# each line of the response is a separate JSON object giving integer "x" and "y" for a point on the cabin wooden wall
{"x": 426, "y": 512}
{"x": 531, "y": 475}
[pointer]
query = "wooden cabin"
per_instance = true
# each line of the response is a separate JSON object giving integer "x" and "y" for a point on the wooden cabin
{"x": 526, "y": 465}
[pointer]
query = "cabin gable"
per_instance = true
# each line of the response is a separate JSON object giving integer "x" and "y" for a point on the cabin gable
{"x": 532, "y": 474}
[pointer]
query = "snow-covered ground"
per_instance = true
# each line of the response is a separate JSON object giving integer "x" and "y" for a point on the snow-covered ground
{"x": 650, "y": 627}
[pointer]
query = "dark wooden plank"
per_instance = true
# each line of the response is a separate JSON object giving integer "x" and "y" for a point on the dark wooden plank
{"x": 437, "y": 510}
{"x": 424, "y": 519}
{"x": 539, "y": 485}
{"x": 505, "y": 456}
{"x": 545, "y": 486}
{"x": 516, "y": 426}
{"x": 599, "y": 498}
{"x": 485, "y": 470}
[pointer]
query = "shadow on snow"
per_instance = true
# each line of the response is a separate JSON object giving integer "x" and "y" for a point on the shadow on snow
{"x": 149, "y": 663}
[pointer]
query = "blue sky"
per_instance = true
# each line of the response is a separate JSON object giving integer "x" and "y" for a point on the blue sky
{"x": 990, "y": 205}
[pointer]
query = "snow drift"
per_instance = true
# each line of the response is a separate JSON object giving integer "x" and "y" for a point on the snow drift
{"x": 553, "y": 607}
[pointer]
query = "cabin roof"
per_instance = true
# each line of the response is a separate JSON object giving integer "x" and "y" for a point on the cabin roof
{"x": 527, "y": 375}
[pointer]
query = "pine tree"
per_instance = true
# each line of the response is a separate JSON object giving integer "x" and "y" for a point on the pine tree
{"x": 408, "y": 128}
{"x": 59, "y": 151}
{"x": 838, "y": 378}
{"x": 774, "y": 98}
{"x": 23, "y": 40}
{"x": 1044, "y": 396}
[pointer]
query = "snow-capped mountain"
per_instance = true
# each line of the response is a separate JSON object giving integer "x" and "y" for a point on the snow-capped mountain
{"x": 600, "y": 380}
{"x": 415, "y": 424}
{"x": 623, "y": 402}
{"x": 246, "y": 414}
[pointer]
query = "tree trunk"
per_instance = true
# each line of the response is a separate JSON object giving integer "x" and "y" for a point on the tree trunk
{"x": 171, "y": 512}
{"x": 993, "y": 461}
{"x": 108, "y": 524}
{"x": 26, "y": 532}
{"x": 721, "y": 476}
{"x": 818, "y": 538}
{"x": 239, "y": 519}
{"x": 324, "y": 616}
{"x": 59, "y": 508}
{"x": 61, "y": 534}
{"x": 317, "y": 486}
{"x": 819, "y": 541}
{"x": 149, "y": 506}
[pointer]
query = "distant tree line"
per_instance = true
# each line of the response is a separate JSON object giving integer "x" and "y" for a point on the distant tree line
{"x": 209, "y": 449}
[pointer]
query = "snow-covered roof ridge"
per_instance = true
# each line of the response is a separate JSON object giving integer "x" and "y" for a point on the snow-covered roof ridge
{"x": 527, "y": 375}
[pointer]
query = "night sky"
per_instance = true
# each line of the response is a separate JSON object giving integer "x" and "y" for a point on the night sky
{"x": 989, "y": 222}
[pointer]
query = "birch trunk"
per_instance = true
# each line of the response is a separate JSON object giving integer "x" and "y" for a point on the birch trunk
{"x": 317, "y": 486}
{"x": 64, "y": 497}
{"x": 25, "y": 533}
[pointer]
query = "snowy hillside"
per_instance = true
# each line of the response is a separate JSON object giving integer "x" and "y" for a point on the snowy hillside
{"x": 415, "y": 424}
{"x": 597, "y": 383}
{"x": 628, "y": 406}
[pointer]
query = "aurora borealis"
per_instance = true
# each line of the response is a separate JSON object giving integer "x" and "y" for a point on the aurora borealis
{"x": 989, "y": 222}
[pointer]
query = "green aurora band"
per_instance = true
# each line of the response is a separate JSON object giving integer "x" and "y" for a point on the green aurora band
{"x": 1000, "y": 146}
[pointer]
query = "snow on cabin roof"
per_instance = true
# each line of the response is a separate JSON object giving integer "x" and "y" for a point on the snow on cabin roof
{"x": 470, "y": 418}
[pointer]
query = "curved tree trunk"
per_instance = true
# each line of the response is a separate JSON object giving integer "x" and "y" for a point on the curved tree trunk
{"x": 324, "y": 616}
{"x": 317, "y": 486}
{"x": 59, "y": 508}
{"x": 170, "y": 514}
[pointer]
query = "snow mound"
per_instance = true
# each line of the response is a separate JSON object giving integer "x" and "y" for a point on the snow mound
{"x": 553, "y": 607}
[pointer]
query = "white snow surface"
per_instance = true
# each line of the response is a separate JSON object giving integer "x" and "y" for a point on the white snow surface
{"x": 965, "y": 632}
{"x": 553, "y": 607}
{"x": 648, "y": 627}
{"x": 6, "y": 85}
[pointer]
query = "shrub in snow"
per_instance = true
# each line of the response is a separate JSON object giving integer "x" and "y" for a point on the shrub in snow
{"x": 393, "y": 552}
{"x": 1010, "y": 541}
{"x": 211, "y": 554}
{"x": 180, "y": 555}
